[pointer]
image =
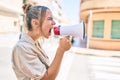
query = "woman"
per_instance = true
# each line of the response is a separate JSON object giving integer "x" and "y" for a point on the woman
{"x": 29, "y": 60}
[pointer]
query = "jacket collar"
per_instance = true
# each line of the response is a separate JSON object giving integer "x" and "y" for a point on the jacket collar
{"x": 26, "y": 38}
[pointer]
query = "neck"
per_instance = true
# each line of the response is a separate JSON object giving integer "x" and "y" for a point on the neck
{"x": 33, "y": 35}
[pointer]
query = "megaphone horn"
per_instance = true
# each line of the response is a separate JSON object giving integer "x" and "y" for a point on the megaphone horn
{"x": 77, "y": 30}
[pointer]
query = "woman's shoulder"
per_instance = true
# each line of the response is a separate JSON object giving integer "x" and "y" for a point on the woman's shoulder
{"x": 24, "y": 45}
{"x": 24, "y": 48}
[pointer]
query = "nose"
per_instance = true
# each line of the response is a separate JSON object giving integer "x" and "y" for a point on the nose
{"x": 53, "y": 23}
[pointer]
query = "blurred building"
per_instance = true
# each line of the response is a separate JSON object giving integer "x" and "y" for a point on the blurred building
{"x": 10, "y": 10}
{"x": 11, "y": 14}
{"x": 102, "y": 20}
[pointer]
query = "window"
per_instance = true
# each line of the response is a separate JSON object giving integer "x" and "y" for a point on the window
{"x": 98, "y": 28}
{"x": 115, "y": 34}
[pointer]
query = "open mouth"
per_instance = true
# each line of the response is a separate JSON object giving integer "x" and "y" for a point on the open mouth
{"x": 50, "y": 31}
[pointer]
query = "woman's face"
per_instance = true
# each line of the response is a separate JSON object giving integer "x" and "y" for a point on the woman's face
{"x": 48, "y": 24}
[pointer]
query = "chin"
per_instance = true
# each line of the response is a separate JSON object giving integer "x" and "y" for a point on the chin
{"x": 46, "y": 37}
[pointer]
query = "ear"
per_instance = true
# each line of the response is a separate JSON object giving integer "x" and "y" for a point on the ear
{"x": 35, "y": 23}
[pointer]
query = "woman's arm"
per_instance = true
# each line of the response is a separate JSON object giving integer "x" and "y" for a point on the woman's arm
{"x": 53, "y": 70}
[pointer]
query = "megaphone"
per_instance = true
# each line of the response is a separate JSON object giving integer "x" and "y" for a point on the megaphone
{"x": 77, "y": 30}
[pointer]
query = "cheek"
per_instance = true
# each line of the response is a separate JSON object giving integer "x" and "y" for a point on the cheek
{"x": 46, "y": 25}
{"x": 44, "y": 29}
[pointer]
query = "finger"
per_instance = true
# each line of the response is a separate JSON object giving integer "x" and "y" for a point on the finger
{"x": 68, "y": 37}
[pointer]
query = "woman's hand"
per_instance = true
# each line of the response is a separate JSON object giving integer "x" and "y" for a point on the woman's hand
{"x": 65, "y": 43}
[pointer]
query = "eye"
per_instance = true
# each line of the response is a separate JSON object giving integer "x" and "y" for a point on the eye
{"x": 50, "y": 18}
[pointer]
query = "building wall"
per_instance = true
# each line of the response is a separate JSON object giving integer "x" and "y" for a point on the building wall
{"x": 10, "y": 10}
{"x": 8, "y": 24}
{"x": 106, "y": 10}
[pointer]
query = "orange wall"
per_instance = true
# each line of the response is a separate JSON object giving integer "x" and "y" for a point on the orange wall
{"x": 106, "y": 10}
{"x": 106, "y": 42}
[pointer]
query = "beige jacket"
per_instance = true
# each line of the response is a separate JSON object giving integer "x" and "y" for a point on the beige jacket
{"x": 29, "y": 61}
